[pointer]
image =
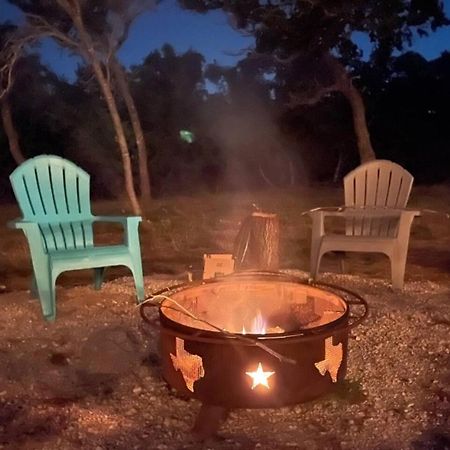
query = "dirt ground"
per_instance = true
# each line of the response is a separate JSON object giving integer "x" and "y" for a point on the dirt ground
{"x": 92, "y": 378}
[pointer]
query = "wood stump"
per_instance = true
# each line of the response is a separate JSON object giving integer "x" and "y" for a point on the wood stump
{"x": 257, "y": 244}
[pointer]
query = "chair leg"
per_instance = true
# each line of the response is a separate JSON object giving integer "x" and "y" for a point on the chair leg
{"x": 33, "y": 288}
{"x": 316, "y": 256}
{"x": 138, "y": 276}
{"x": 98, "y": 277}
{"x": 46, "y": 290}
{"x": 398, "y": 265}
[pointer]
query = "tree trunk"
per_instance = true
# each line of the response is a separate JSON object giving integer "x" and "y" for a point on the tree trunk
{"x": 105, "y": 86}
{"x": 365, "y": 149}
{"x": 10, "y": 130}
{"x": 257, "y": 243}
{"x": 144, "y": 177}
{"x": 343, "y": 83}
{"x": 337, "y": 172}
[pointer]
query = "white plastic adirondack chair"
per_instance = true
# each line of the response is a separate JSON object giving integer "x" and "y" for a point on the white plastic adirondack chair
{"x": 376, "y": 194}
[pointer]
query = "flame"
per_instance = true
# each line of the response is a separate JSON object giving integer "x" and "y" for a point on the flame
{"x": 258, "y": 325}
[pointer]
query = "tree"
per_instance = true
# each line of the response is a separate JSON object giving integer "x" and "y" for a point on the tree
{"x": 311, "y": 43}
{"x": 9, "y": 55}
{"x": 75, "y": 25}
{"x": 110, "y": 22}
{"x": 169, "y": 94}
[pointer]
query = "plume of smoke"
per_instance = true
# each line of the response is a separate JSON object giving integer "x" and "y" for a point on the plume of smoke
{"x": 256, "y": 151}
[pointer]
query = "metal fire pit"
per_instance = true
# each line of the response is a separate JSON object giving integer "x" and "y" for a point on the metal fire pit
{"x": 263, "y": 339}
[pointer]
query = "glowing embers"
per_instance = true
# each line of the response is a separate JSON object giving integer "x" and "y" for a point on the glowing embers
{"x": 190, "y": 366}
{"x": 260, "y": 377}
{"x": 332, "y": 361}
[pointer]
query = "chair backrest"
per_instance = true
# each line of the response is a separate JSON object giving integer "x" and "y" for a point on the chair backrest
{"x": 55, "y": 193}
{"x": 376, "y": 183}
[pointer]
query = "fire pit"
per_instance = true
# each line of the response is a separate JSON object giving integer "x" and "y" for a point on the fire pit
{"x": 255, "y": 340}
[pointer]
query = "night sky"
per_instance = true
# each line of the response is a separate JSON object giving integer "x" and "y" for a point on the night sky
{"x": 210, "y": 34}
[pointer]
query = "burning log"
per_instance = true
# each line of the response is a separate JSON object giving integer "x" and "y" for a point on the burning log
{"x": 257, "y": 243}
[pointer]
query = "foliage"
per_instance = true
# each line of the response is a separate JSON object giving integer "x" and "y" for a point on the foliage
{"x": 242, "y": 126}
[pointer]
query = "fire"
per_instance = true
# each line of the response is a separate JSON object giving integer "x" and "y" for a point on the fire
{"x": 258, "y": 325}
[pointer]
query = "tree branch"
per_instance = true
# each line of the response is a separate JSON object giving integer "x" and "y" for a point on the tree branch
{"x": 40, "y": 27}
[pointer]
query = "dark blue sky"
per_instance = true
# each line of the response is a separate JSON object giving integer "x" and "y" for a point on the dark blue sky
{"x": 210, "y": 34}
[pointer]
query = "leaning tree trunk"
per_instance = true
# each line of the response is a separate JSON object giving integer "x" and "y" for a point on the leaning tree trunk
{"x": 112, "y": 107}
{"x": 365, "y": 149}
{"x": 10, "y": 131}
{"x": 257, "y": 243}
{"x": 343, "y": 83}
{"x": 144, "y": 177}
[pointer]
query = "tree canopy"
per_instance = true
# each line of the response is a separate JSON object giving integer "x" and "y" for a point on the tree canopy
{"x": 262, "y": 118}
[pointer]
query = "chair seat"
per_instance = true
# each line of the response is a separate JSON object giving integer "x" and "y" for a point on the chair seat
{"x": 90, "y": 257}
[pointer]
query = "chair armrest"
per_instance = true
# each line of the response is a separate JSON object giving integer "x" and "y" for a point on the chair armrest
{"x": 318, "y": 216}
{"x": 363, "y": 211}
{"x": 32, "y": 233}
{"x": 124, "y": 220}
{"x": 130, "y": 225}
{"x": 405, "y": 222}
{"x": 20, "y": 224}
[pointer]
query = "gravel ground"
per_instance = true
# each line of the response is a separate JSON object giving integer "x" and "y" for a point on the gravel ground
{"x": 92, "y": 379}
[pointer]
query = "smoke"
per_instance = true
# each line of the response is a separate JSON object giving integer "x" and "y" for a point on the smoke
{"x": 255, "y": 150}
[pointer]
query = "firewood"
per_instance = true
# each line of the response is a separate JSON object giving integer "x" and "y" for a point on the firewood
{"x": 257, "y": 243}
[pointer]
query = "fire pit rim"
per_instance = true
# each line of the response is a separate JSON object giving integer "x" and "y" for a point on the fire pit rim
{"x": 342, "y": 323}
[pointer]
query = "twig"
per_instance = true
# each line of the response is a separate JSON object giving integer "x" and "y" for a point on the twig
{"x": 246, "y": 339}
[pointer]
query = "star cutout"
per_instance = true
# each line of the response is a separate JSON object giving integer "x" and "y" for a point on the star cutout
{"x": 260, "y": 377}
{"x": 332, "y": 361}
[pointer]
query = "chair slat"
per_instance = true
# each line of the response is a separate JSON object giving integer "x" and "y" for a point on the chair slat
{"x": 78, "y": 233}
{"x": 384, "y": 180}
{"x": 21, "y": 191}
{"x": 46, "y": 189}
{"x": 33, "y": 196}
{"x": 360, "y": 186}
{"x": 88, "y": 233}
{"x": 394, "y": 189}
{"x": 52, "y": 241}
{"x": 83, "y": 196}
{"x": 373, "y": 184}
{"x": 57, "y": 177}
{"x": 69, "y": 238}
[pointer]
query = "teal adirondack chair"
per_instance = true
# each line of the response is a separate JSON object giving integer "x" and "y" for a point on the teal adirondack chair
{"x": 54, "y": 197}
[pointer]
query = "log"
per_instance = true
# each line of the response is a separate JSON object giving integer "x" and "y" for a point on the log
{"x": 257, "y": 244}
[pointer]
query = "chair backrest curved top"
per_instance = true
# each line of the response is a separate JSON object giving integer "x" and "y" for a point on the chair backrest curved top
{"x": 378, "y": 183}
{"x": 49, "y": 189}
